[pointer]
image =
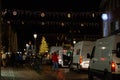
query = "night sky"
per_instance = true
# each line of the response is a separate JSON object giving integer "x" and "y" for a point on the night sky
{"x": 26, "y": 31}
{"x": 52, "y": 5}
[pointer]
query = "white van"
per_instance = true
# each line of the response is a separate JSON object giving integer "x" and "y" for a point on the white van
{"x": 105, "y": 59}
{"x": 64, "y": 58}
{"x": 80, "y": 60}
{"x": 55, "y": 49}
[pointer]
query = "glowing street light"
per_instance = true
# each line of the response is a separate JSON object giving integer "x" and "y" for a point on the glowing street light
{"x": 104, "y": 16}
{"x": 35, "y": 36}
{"x": 105, "y": 24}
{"x": 74, "y": 42}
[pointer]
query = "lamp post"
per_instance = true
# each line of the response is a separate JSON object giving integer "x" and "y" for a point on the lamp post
{"x": 35, "y": 36}
{"x": 105, "y": 24}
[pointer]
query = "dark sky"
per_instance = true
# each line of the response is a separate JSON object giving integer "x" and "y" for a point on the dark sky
{"x": 74, "y": 5}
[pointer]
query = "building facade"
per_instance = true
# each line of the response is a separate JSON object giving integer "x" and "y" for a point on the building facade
{"x": 112, "y": 8}
{"x": 59, "y": 27}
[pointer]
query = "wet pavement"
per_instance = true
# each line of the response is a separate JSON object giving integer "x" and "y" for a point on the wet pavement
{"x": 46, "y": 73}
{"x": 62, "y": 74}
{"x": 19, "y": 74}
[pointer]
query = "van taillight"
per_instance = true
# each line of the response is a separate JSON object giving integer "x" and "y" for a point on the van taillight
{"x": 80, "y": 59}
{"x": 113, "y": 66}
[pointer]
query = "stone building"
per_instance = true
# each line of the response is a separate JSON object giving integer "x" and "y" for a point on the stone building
{"x": 112, "y": 8}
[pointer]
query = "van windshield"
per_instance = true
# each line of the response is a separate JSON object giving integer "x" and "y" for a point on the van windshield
{"x": 93, "y": 51}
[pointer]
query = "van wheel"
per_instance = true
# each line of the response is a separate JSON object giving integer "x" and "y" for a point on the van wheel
{"x": 78, "y": 67}
{"x": 71, "y": 68}
{"x": 107, "y": 75}
{"x": 90, "y": 75}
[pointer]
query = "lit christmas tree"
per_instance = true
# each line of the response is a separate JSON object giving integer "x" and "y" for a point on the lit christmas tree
{"x": 43, "y": 47}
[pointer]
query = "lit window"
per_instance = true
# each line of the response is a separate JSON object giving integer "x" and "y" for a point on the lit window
{"x": 69, "y": 15}
{"x": 43, "y": 23}
{"x": 8, "y": 22}
{"x": 62, "y": 24}
{"x": 14, "y": 13}
{"x": 42, "y": 14}
{"x": 82, "y": 24}
{"x": 22, "y": 22}
{"x": 93, "y": 15}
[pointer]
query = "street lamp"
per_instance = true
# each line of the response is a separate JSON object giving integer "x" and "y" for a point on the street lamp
{"x": 104, "y": 16}
{"x": 74, "y": 42}
{"x": 105, "y": 24}
{"x": 35, "y": 36}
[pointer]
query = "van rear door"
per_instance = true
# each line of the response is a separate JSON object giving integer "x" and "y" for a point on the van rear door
{"x": 101, "y": 58}
{"x": 116, "y": 55}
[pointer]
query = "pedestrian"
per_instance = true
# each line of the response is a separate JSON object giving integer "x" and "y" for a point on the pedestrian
{"x": 24, "y": 59}
{"x": 4, "y": 59}
{"x": 55, "y": 61}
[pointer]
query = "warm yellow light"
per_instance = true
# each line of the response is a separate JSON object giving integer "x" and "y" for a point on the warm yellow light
{"x": 62, "y": 24}
{"x": 35, "y": 36}
{"x": 93, "y": 15}
{"x": 82, "y": 24}
{"x": 42, "y": 14}
{"x": 14, "y": 13}
{"x": 43, "y": 23}
{"x": 69, "y": 15}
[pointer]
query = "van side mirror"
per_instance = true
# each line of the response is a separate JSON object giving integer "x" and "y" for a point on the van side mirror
{"x": 88, "y": 55}
{"x": 116, "y": 52}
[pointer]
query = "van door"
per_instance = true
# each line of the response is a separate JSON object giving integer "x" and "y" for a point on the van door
{"x": 95, "y": 62}
{"x": 101, "y": 55}
{"x": 117, "y": 59}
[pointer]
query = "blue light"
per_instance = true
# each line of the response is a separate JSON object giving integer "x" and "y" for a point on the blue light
{"x": 104, "y": 16}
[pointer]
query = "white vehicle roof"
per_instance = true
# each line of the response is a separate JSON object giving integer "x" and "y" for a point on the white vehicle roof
{"x": 106, "y": 45}
{"x": 84, "y": 46}
{"x": 55, "y": 48}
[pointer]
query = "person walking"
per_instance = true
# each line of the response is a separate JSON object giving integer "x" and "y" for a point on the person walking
{"x": 55, "y": 61}
{"x": 24, "y": 59}
{"x": 3, "y": 59}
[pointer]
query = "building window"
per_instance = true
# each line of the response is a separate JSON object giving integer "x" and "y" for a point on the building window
{"x": 116, "y": 25}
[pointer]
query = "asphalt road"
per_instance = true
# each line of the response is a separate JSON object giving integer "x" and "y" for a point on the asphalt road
{"x": 45, "y": 73}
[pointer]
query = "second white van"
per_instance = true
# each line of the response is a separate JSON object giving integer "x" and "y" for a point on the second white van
{"x": 80, "y": 60}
